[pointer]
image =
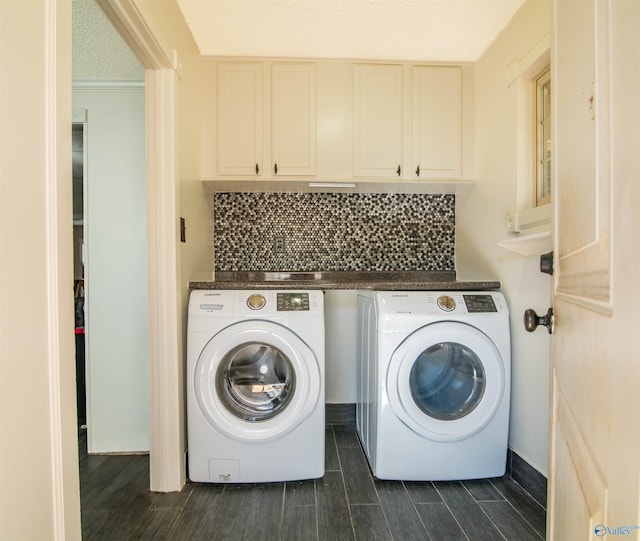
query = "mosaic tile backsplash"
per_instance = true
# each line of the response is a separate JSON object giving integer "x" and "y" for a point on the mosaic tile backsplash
{"x": 333, "y": 232}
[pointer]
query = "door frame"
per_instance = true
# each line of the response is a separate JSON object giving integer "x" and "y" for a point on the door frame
{"x": 167, "y": 426}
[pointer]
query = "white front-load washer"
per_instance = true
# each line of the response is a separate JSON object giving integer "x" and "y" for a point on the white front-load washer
{"x": 434, "y": 384}
{"x": 255, "y": 386}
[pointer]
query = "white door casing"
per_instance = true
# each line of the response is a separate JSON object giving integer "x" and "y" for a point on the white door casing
{"x": 595, "y": 447}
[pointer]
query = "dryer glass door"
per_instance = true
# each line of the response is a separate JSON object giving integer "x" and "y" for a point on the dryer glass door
{"x": 447, "y": 381}
{"x": 255, "y": 381}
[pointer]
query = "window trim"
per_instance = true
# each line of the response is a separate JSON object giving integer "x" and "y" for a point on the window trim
{"x": 540, "y": 127}
{"x": 519, "y": 76}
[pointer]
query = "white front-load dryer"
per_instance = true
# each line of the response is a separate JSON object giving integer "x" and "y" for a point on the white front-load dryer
{"x": 255, "y": 386}
{"x": 434, "y": 384}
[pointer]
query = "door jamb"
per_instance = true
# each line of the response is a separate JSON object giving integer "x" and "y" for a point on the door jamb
{"x": 167, "y": 426}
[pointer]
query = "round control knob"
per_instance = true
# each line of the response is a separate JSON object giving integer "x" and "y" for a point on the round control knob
{"x": 256, "y": 301}
{"x": 446, "y": 303}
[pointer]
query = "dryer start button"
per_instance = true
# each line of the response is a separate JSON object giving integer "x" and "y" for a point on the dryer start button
{"x": 256, "y": 301}
{"x": 446, "y": 303}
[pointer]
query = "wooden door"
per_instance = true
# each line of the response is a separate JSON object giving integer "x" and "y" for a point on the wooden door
{"x": 595, "y": 425}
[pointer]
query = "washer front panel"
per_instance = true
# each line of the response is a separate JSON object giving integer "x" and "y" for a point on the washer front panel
{"x": 446, "y": 381}
{"x": 256, "y": 381}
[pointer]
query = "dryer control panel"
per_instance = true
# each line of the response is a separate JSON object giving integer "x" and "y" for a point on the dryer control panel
{"x": 439, "y": 304}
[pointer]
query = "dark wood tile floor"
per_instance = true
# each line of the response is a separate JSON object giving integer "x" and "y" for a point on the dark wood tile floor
{"x": 346, "y": 504}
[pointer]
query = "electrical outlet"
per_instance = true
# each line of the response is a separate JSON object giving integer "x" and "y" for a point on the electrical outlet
{"x": 278, "y": 245}
{"x": 512, "y": 223}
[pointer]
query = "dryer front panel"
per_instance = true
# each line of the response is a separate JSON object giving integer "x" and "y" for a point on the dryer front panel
{"x": 446, "y": 381}
{"x": 256, "y": 381}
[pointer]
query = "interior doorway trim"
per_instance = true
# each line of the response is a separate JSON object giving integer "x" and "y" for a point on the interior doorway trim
{"x": 166, "y": 453}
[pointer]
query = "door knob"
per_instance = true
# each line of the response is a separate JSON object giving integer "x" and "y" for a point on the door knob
{"x": 546, "y": 263}
{"x": 532, "y": 320}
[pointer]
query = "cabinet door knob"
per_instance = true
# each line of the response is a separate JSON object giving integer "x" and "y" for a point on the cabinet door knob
{"x": 257, "y": 169}
{"x": 398, "y": 170}
{"x": 418, "y": 171}
{"x": 275, "y": 169}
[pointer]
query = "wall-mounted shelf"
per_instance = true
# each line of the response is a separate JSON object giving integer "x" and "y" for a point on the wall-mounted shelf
{"x": 531, "y": 244}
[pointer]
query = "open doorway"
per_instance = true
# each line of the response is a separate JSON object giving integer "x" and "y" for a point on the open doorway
{"x": 114, "y": 264}
{"x": 110, "y": 259}
{"x": 78, "y": 166}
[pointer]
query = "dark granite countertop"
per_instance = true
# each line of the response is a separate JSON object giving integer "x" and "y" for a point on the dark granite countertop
{"x": 382, "y": 281}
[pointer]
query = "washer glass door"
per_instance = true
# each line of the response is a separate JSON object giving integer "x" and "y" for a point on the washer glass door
{"x": 256, "y": 380}
{"x": 446, "y": 381}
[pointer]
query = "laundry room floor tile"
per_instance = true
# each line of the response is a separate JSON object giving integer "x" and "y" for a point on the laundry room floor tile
{"x": 346, "y": 504}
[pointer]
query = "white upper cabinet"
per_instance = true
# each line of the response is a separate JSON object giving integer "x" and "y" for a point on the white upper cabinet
{"x": 294, "y": 118}
{"x": 377, "y": 120}
{"x": 419, "y": 136}
{"x": 239, "y": 147}
{"x": 337, "y": 120}
{"x": 437, "y": 122}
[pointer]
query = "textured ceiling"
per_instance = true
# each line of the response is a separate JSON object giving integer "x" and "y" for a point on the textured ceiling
{"x": 429, "y": 30}
{"x": 99, "y": 53}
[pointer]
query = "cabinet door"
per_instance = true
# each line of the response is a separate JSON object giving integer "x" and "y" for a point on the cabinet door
{"x": 437, "y": 122}
{"x": 239, "y": 122}
{"x": 294, "y": 115}
{"x": 377, "y": 120}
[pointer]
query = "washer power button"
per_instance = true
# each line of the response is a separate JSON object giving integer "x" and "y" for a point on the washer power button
{"x": 446, "y": 303}
{"x": 256, "y": 301}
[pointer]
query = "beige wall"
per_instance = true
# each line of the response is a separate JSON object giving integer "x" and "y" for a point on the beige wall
{"x": 39, "y": 496}
{"x": 39, "y": 460}
{"x": 480, "y": 224}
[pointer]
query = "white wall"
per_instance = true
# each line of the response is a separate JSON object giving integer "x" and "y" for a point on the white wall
{"x": 116, "y": 269}
{"x": 341, "y": 346}
{"x": 480, "y": 226}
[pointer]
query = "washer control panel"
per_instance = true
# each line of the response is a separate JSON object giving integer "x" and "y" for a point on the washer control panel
{"x": 479, "y": 303}
{"x": 285, "y": 302}
{"x": 256, "y": 301}
{"x": 446, "y": 303}
{"x": 292, "y": 302}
